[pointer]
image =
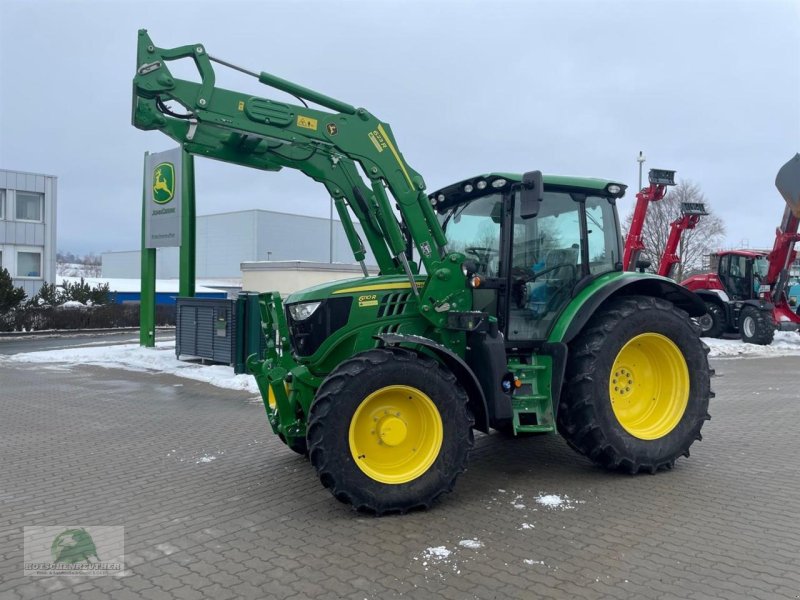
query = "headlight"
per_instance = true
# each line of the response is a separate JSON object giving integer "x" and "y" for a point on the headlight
{"x": 302, "y": 311}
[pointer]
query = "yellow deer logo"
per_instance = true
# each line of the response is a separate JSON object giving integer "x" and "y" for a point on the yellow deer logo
{"x": 164, "y": 183}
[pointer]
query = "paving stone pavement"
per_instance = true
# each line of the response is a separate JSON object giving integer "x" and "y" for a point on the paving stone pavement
{"x": 91, "y": 446}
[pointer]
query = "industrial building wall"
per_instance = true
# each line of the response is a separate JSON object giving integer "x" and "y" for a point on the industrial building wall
{"x": 28, "y": 228}
{"x": 128, "y": 264}
{"x": 296, "y": 237}
{"x": 226, "y": 240}
{"x": 290, "y": 276}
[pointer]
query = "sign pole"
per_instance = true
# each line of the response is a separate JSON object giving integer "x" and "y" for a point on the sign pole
{"x": 147, "y": 299}
{"x": 188, "y": 227}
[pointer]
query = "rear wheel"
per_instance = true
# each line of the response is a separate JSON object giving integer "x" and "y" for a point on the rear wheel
{"x": 637, "y": 386}
{"x": 389, "y": 431}
{"x": 712, "y": 324}
{"x": 755, "y": 326}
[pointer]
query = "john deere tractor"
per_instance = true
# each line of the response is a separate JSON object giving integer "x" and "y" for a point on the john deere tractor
{"x": 501, "y": 303}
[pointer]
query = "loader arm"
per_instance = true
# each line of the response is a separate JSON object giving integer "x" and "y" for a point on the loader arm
{"x": 786, "y": 236}
{"x": 329, "y": 147}
{"x": 690, "y": 217}
{"x": 660, "y": 179}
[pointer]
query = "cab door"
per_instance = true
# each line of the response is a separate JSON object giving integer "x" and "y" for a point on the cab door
{"x": 573, "y": 237}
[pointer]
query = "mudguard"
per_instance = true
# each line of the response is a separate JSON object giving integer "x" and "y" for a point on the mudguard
{"x": 659, "y": 287}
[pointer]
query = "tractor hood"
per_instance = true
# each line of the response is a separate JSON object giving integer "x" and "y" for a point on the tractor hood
{"x": 353, "y": 287}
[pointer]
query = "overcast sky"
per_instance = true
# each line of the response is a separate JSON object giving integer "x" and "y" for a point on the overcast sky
{"x": 711, "y": 89}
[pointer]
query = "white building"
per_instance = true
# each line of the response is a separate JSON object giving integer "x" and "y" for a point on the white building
{"x": 226, "y": 240}
{"x": 28, "y": 228}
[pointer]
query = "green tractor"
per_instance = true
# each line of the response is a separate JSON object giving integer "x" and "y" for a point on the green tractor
{"x": 501, "y": 304}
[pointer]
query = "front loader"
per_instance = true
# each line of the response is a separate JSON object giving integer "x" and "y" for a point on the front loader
{"x": 501, "y": 303}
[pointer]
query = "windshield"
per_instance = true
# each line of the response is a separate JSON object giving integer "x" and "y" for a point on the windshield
{"x": 473, "y": 228}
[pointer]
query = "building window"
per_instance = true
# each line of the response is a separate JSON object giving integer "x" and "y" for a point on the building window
{"x": 29, "y": 264}
{"x": 2, "y": 204}
{"x": 29, "y": 206}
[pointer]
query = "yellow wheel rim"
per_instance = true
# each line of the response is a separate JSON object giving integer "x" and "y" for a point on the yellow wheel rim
{"x": 649, "y": 386}
{"x": 396, "y": 434}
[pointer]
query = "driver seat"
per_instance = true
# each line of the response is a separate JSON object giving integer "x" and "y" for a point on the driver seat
{"x": 542, "y": 292}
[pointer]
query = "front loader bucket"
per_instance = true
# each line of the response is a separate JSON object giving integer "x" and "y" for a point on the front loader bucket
{"x": 788, "y": 184}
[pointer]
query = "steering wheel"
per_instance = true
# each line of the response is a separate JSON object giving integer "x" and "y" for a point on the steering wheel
{"x": 483, "y": 255}
{"x": 480, "y": 252}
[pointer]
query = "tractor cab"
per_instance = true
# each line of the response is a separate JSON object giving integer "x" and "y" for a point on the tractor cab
{"x": 525, "y": 261}
{"x": 741, "y": 273}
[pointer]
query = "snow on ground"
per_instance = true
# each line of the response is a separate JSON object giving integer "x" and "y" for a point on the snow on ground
{"x": 133, "y": 357}
{"x": 473, "y": 544}
{"x": 786, "y": 343}
{"x": 557, "y": 502}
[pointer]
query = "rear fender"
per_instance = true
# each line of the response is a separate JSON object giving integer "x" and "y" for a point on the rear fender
{"x": 660, "y": 287}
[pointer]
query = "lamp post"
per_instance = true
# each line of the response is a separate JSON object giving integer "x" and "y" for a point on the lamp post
{"x": 640, "y": 159}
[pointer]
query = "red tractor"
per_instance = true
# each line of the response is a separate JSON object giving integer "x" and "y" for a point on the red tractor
{"x": 747, "y": 293}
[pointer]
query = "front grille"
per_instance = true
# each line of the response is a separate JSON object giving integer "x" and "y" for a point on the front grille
{"x": 307, "y": 336}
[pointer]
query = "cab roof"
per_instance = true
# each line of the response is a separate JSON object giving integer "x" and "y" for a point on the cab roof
{"x": 455, "y": 192}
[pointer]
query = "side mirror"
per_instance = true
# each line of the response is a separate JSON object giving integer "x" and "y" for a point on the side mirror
{"x": 531, "y": 194}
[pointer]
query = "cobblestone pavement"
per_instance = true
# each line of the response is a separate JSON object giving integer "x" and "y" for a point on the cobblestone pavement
{"x": 89, "y": 446}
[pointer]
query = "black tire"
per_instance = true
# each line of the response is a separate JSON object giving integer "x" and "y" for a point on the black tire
{"x": 756, "y": 326}
{"x": 714, "y": 323}
{"x": 586, "y": 417}
{"x": 335, "y": 405}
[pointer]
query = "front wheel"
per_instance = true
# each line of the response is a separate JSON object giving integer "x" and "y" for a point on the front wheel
{"x": 755, "y": 326}
{"x": 389, "y": 431}
{"x": 712, "y": 324}
{"x": 637, "y": 386}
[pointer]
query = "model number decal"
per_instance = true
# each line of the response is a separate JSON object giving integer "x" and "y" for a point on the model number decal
{"x": 378, "y": 140}
{"x": 369, "y": 300}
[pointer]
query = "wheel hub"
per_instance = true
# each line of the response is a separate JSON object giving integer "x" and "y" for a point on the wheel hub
{"x": 623, "y": 382}
{"x": 392, "y": 430}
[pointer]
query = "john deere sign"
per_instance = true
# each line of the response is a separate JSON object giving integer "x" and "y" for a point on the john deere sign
{"x": 163, "y": 190}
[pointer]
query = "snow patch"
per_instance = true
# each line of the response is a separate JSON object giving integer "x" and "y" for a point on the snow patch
{"x": 166, "y": 548}
{"x": 550, "y": 501}
{"x": 472, "y": 544}
{"x": 530, "y": 561}
{"x": 557, "y": 502}
{"x": 437, "y": 553}
{"x": 786, "y": 343}
{"x": 526, "y": 526}
{"x": 206, "y": 459}
{"x": 132, "y": 357}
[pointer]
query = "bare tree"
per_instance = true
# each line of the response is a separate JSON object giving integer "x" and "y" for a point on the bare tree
{"x": 695, "y": 243}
